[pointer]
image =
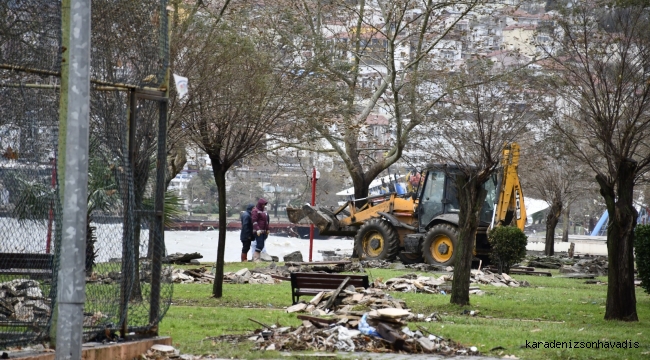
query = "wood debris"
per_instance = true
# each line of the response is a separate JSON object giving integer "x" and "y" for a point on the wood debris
{"x": 342, "y": 334}
{"x": 182, "y": 259}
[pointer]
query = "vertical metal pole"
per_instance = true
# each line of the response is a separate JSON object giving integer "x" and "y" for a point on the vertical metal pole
{"x": 72, "y": 276}
{"x": 60, "y": 155}
{"x": 127, "y": 267}
{"x": 159, "y": 225}
{"x": 313, "y": 203}
{"x": 63, "y": 92}
{"x": 50, "y": 216}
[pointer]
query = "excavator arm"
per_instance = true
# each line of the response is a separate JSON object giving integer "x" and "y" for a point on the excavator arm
{"x": 510, "y": 207}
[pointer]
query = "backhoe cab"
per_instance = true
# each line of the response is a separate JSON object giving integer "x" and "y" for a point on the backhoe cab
{"x": 423, "y": 227}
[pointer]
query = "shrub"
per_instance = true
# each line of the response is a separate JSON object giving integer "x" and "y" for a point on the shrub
{"x": 642, "y": 252}
{"x": 508, "y": 246}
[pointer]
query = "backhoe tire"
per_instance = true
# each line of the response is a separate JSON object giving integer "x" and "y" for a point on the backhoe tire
{"x": 376, "y": 240}
{"x": 440, "y": 244}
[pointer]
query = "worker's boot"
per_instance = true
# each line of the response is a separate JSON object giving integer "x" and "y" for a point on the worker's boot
{"x": 256, "y": 256}
{"x": 244, "y": 257}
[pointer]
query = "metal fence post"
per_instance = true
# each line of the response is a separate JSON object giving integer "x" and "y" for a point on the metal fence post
{"x": 72, "y": 275}
{"x": 158, "y": 238}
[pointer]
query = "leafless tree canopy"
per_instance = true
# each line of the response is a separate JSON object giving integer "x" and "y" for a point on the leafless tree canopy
{"x": 603, "y": 91}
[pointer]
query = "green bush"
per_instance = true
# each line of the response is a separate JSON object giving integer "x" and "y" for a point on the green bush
{"x": 642, "y": 252}
{"x": 508, "y": 246}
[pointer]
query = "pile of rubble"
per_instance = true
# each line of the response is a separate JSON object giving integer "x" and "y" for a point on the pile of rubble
{"x": 597, "y": 266}
{"x": 244, "y": 276}
{"x": 548, "y": 262}
{"x": 415, "y": 283}
{"x": 500, "y": 280}
{"x": 23, "y": 300}
{"x": 364, "y": 320}
{"x": 360, "y": 266}
{"x": 431, "y": 285}
{"x": 384, "y": 331}
{"x": 190, "y": 276}
{"x": 351, "y": 306}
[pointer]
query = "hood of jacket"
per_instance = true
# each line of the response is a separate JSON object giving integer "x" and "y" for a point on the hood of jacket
{"x": 250, "y": 207}
{"x": 260, "y": 204}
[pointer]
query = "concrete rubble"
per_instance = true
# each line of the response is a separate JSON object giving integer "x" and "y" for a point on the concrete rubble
{"x": 597, "y": 266}
{"x": 23, "y": 300}
{"x": 204, "y": 276}
{"x": 295, "y": 256}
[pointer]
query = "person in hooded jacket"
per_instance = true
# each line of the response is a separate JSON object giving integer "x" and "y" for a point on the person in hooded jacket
{"x": 260, "y": 226}
{"x": 246, "y": 235}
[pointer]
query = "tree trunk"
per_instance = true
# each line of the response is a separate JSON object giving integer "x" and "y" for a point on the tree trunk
{"x": 471, "y": 196}
{"x": 621, "y": 297}
{"x": 551, "y": 222}
{"x": 220, "y": 179}
{"x": 360, "y": 192}
{"x": 566, "y": 227}
{"x": 176, "y": 160}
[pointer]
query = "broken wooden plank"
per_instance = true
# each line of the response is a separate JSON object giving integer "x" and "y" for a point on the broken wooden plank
{"x": 336, "y": 292}
{"x": 314, "y": 319}
{"x": 280, "y": 277}
{"x": 316, "y": 299}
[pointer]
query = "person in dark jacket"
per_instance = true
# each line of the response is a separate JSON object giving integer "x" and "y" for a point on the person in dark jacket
{"x": 246, "y": 235}
{"x": 260, "y": 226}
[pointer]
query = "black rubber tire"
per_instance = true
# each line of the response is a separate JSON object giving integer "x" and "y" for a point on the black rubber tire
{"x": 408, "y": 259}
{"x": 382, "y": 231}
{"x": 441, "y": 233}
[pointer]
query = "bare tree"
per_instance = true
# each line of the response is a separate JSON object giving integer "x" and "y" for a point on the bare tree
{"x": 603, "y": 87}
{"x": 181, "y": 36}
{"x": 367, "y": 58}
{"x": 551, "y": 174}
{"x": 238, "y": 96}
{"x": 470, "y": 132}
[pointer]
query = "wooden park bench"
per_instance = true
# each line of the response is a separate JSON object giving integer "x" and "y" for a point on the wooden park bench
{"x": 35, "y": 266}
{"x": 313, "y": 283}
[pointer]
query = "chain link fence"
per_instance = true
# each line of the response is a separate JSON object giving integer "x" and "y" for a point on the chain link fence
{"x": 127, "y": 287}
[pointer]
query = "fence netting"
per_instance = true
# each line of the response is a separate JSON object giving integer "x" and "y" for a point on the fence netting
{"x": 124, "y": 237}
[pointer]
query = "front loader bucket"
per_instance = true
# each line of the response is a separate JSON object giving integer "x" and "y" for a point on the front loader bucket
{"x": 324, "y": 221}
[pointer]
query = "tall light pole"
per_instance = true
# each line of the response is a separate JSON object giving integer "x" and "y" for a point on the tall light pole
{"x": 315, "y": 175}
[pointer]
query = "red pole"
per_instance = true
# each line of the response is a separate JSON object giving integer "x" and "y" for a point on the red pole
{"x": 48, "y": 246}
{"x": 313, "y": 203}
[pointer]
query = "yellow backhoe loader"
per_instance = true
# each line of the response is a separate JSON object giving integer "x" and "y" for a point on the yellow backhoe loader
{"x": 423, "y": 226}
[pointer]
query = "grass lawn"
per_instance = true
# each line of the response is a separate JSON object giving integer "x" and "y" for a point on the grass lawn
{"x": 552, "y": 309}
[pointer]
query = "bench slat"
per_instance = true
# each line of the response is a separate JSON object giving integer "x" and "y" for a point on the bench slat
{"x": 26, "y": 261}
{"x": 326, "y": 282}
{"x": 313, "y": 283}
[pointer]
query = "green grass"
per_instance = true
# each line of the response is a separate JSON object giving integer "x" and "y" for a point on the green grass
{"x": 192, "y": 327}
{"x": 559, "y": 309}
